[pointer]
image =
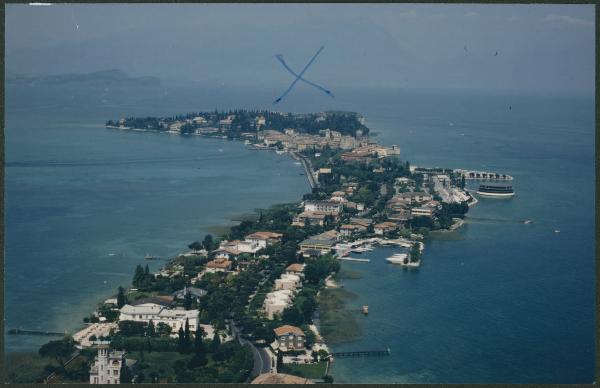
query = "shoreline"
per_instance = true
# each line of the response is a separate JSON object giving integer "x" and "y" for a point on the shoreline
{"x": 330, "y": 283}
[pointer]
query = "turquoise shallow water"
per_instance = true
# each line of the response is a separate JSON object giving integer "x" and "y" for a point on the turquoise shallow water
{"x": 504, "y": 303}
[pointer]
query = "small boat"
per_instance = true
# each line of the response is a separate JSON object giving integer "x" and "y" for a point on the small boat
{"x": 365, "y": 309}
{"x": 556, "y": 231}
{"x": 397, "y": 258}
{"x": 280, "y": 152}
{"x": 149, "y": 257}
{"x": 527, "y": 221}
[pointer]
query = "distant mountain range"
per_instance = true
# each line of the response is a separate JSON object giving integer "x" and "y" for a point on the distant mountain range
{"x": 111, "y": 77}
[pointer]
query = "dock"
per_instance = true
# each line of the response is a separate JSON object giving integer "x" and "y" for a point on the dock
{"x": 363, "y": 353}
{"x": 483, "y": 175}
{"x": 353, "y": 259}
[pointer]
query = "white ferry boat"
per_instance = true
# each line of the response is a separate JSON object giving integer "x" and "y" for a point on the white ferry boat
{"x": 500, "y": 191}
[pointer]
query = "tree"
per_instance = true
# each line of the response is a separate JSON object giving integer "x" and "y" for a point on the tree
{"x": 323, "y": 354}
{"x": 163, "y": 329}
{"x": 121, "y": 299}
{"x": 187, "y": 300}
{"x": 181, "y": 345}
{"x": 138, "y": 276}
{"x": 199, "y": 358}
{"x": 216, "y": 342}
{"x": 207, "y": 243}
{"x": 186, "y": 331}
{"x": 59, "y": 349}
{"x": 195, "y": 246}
{"x": 292, "y": 316}
{"x": 132, "y": 328}
{"x": 150, "y": 330}
{"x": 125, "y": 375}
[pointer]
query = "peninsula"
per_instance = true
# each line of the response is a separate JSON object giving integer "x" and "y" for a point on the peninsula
{"x": 243, "y": 304}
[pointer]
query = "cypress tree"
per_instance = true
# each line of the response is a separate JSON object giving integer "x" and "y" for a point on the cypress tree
{"x": 138, "y": 276}
{"x": 151, "y": 331}
{"x": 181, "y": 341}
{"x": 216, "y": 342}
{"x": 121, "y": 300}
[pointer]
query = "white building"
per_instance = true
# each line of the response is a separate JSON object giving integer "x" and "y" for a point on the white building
{"x": 276, "y": 302}
{"x": 227, "y": 253}
{"x": 247, "y": 246}
{"x": 262, "y": 239}
{"x": 107, "y": 366}
{"x": 199, "y": 120}
{"x": 287, "y": 282}
{"x": 421, "y": 211}
{"x": 156, "y": 313}
{"x": 323, "y": 206}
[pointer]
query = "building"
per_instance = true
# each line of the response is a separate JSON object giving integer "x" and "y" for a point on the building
{"x": 400, "y": 216}
{"x": 195, "y": 293}
{"x": 174, "y": 318}
{"x": 163, "y": 300}
{"x": 277, "y": 301}
{"x": 322, "y": 246}
{"x": 227, "y": 253}
{"x": 313, "y": 218}
{"x": 422, "y": 212}
{"x": 263, "y": 239}
{"x": 384, "y": 227}
{"x": 237, "y": 247}
{"x": 353, "y": 205}
{"x": 288, "y": 282}
{"x": 290, "y": 338}
{"x": 218, "y": 265}
{"x": 338, "y": 196}
{"x": 328, "y": 207}
{"x": 295, "y": 269}
{"x": 361, "y": 221}
{"x": 107, "y": 366}
{"x": 348, "y": 230}
{"x": 412, "y": 197}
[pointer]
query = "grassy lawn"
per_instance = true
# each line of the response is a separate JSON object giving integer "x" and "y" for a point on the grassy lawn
{"x": 309, "y": 371}
{"x": 25, "y": 367}
{"x": 158, "y": 362}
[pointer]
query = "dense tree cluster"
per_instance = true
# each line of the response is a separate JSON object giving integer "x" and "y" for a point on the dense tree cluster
{"x": 244, "y": 121}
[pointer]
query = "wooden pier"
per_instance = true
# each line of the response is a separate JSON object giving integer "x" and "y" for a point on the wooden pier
{"x": 34, "y": 332}
{"x": 353, "y": 259}
{"x": 363, "y": 353}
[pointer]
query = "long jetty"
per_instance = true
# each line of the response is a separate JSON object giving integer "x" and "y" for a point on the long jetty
{"x": 34, "y": 332}
{"x": 307, "y": 169}
{"x": 363, "y": 353}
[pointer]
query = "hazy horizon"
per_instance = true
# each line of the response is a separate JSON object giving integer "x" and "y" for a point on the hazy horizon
{"x": 529, "y": 48}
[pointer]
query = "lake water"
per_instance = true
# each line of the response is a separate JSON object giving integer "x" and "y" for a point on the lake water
{"x": 502, "y": 302}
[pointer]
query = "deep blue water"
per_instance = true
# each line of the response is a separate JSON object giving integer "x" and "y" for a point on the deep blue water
{"x": 505, "y": 303}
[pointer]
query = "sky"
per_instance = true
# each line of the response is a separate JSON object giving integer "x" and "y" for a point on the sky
{"x": 442, "y": 46}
